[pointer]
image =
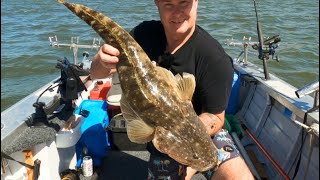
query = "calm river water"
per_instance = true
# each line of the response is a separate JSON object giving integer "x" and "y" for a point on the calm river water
{"x": 28, "y": 61}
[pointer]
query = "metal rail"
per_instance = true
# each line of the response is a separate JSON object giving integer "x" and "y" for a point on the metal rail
{"x": 270, "y": 44}
{"x": 245, "y": 44}
{"x": 96, "y": 43}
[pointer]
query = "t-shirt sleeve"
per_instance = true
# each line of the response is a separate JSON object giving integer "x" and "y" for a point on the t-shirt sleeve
{"x": 215, "y": 80}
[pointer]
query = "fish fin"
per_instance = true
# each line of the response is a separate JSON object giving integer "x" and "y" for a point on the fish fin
{"x": 186, "y": 85}
{"x": 165, "y": 73}
{"x": 139, "y": 132}
{"x": 169, "y": 77}
{"x": 128, "y": 113}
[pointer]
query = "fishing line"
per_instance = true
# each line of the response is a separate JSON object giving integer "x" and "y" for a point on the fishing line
{"x": 48, "y": 88}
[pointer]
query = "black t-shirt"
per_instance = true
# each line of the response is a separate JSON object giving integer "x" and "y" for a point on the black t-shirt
{"x": 201, "y": 55}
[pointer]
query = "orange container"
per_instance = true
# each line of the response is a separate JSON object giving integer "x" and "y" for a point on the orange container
{"x": 100, "y": 90}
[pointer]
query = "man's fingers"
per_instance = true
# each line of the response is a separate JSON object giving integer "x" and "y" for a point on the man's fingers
{"x": 107, "y": 56}
{"x": 108, "y": 49}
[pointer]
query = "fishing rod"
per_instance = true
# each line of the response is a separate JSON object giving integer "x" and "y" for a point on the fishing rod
{"x": 260, "y": 46}
{"x": 265, "y": 48}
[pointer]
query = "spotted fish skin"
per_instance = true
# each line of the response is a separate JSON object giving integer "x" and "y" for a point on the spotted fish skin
{"x": 153, "y": 100}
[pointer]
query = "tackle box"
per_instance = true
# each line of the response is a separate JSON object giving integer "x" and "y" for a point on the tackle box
{"x": 118, "y": 135}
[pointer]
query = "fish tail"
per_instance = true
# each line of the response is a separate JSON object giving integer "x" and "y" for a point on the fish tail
{"x": 110, "y": 32}
{"x": 60, "y": 1}
{"x": 107, "y": 29}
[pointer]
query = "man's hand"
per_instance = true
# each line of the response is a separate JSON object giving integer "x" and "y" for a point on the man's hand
{"x": 104, "y": 62}
{"x": 189, "y": 172}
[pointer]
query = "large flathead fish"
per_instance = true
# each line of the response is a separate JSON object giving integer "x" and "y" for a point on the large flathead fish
{"x": 156, "y": 104}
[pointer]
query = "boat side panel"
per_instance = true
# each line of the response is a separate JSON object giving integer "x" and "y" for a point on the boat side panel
{"x": 269, "y": 116}
{"x": 313, "y": 170}
{"x": 254, "y": 115}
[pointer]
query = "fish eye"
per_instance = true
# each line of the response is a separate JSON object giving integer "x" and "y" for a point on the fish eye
{"x": 195, "y": 156}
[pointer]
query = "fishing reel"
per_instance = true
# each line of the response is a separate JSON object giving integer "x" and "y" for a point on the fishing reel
{"x": 39, "y": 118}
{"x": 268, "y": 48}
{"x": 70, "y": 83}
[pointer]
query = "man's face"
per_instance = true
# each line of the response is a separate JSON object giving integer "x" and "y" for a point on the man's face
{"x": 177, "y": 16}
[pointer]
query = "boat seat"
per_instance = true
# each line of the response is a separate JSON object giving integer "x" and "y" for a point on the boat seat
{"x": 245, "y": 155}
{"x": 114, "y": 94}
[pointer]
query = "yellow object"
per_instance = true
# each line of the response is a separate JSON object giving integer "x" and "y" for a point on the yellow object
{"x": 29, "y": 160}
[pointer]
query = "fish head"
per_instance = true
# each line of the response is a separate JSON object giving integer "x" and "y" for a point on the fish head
{"x": 188, "y": 144}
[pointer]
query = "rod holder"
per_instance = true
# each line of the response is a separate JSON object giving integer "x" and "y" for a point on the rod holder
{"x": 312, "y": 87}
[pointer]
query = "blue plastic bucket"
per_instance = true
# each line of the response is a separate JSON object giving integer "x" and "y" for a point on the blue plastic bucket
{"x": 234, "y": 96}
{"x": 93, "y": 134}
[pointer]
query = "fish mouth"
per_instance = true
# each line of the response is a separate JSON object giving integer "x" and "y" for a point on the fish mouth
{"x": 210, "y": 166}
{"x": 202, "y": 164}
{"x": 203, "y": 168}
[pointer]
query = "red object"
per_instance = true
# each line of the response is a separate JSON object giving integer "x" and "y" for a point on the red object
{"x": 100, "y": 90}
{"x": 280, "y": 170}
{"x": 113, "y": 110}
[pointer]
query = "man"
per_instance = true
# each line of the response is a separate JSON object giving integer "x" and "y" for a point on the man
{"x": 179, "y": 45}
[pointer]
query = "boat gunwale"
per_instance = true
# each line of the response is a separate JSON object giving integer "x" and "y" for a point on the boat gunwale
{"x": 297, "y": 106}
{"x": 12, "y": 118}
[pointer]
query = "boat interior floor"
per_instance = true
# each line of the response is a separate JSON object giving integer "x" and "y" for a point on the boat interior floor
{"x": 125, "y": 165}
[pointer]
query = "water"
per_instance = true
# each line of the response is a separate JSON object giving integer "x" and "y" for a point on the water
{"x": 28, "y": 61}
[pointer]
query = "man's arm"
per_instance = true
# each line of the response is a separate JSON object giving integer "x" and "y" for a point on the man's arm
{"x": 212, "y": 122}
{"x": 235, "y": 168}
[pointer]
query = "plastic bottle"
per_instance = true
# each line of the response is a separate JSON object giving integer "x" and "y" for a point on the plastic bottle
{"x": 86, "y": 61}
